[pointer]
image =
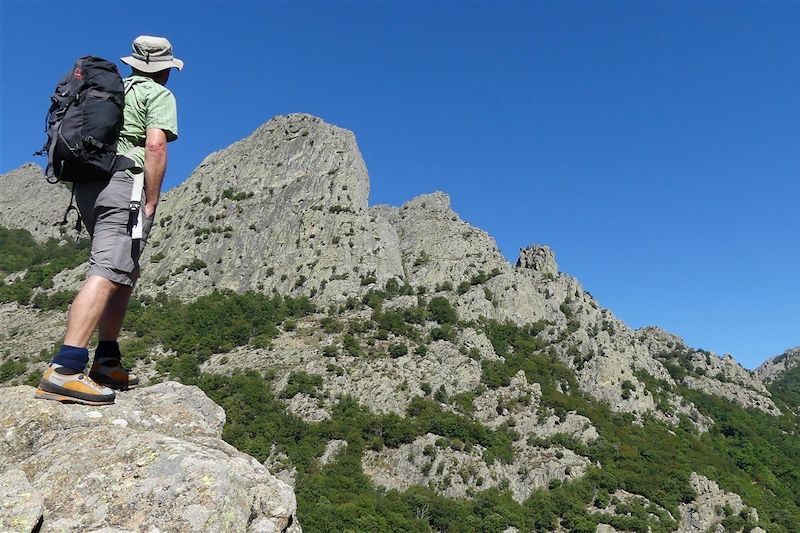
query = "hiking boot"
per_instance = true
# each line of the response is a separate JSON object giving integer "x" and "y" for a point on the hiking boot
{"x": 109, "y": 372}
{"x": 67, "y": 385}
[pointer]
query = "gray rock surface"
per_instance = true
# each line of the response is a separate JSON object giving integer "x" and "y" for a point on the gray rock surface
{"x": 775, "y": 367}
{"x": 518, "y": 405}
{"x": 30, "y": 203}
{"x": 721, "y": 376}
{"x": 332, "y": 449}
{"x": 539, "y": 258}
{"x": 285, "y": 209}
{"x": 436, "y": 246}
{"x": 152, "y": 460}
{"x": 21, "y": 506}
{"x": 706, "y": 512}
{"x": 459, "y": 473}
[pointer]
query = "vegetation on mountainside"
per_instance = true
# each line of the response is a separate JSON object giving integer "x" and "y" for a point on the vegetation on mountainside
{"x": 654, "y": 460}
{"x": 37, "y": 263}
{"x": 746, "y": 451}
{"x": 786, "y": 390}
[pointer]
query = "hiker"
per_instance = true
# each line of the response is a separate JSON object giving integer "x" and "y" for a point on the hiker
{"x": 119, "y": 232}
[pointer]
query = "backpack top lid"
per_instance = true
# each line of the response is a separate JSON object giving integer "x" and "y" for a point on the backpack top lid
{"x": 98, "y": 73}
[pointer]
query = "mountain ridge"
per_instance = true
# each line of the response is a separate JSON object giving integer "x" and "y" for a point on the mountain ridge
{"x": 497, "y": 376}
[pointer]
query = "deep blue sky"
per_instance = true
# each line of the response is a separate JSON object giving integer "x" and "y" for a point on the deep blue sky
{"x": 652, "y": 145}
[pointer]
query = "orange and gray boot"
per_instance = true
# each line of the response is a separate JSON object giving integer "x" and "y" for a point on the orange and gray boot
{"x": 68, "y": 385}
{"x": 108, "y": 371}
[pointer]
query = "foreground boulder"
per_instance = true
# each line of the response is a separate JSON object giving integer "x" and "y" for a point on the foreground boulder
{"x": 153, "y": 461}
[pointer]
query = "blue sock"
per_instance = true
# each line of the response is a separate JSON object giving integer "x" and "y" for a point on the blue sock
{"x": 72, "y": 357}
{"x": 107, "y": 350}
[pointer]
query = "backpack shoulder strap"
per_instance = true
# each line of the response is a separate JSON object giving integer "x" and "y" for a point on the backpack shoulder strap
{"x": 128, "y": 83}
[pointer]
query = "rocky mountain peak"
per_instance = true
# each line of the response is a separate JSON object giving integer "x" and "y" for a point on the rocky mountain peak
{"x": 538, "y": 257}
{"x": 774, "y": 368}
{"x": 284, "y": 209}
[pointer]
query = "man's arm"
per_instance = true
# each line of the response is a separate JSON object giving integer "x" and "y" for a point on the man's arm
{"x": 155, "y": 164}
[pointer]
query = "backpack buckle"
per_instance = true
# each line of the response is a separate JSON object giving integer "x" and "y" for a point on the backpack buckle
{"x": 134, "y": 206}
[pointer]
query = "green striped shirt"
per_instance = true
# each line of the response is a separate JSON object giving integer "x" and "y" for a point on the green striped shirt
{"x": 148, "y": 105}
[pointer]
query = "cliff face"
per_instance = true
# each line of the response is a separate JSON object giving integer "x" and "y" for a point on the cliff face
{"x": 775, "y": 367}
{"x": 152, "y": 460}
{"x": 285, "y": 211}
{"x": 29, "y": 202}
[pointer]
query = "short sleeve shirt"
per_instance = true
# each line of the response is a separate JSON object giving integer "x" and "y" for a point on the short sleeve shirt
{"x": 148, "y": 105}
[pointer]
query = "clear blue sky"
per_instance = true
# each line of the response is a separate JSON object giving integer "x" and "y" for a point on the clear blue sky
{"x": 652, "y": 145}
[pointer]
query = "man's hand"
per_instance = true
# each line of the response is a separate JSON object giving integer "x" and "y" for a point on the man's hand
{"x": 155, "y": 164}
{"x": 149, "y": 210}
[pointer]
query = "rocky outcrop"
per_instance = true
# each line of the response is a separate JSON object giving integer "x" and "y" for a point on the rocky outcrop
{"x": 707, "y": 511}
{"x": 518, "y": 406}
{"x": 382, "y": 384}
{"x": 774, "y": 368}
{"x": 461, "y": 472}
{"x": 734, "y": 392}
{"x": 705, "y": 371}
{"x": 436, "y": 246}
{"x": 30, "y": 203}
{"x": 332, "y": 449}
{"x": 153, "y": 460}
{"x": 284, "y": 209}
{"x": 539, "y": 258}
{"x": 621, "y": 502}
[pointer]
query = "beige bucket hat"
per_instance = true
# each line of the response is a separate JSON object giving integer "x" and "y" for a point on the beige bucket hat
{"x": 152, "y": 54}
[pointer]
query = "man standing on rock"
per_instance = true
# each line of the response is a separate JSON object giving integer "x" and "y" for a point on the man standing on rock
{"x": 118, "y": 214}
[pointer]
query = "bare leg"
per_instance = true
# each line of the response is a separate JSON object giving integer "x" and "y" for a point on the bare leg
{"x": 87, "y": 308}
{"x": 111, "y": 319}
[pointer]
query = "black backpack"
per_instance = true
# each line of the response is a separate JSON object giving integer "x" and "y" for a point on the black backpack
{"x": 84, "y": 122}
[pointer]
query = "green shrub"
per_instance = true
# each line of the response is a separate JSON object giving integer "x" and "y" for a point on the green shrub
{"x": 301, "y": 381}
{"x": 398, "y": 349}
{"x": 40, "y": 261}
{"x": 351, "y": 345}
{"x": 422, "y": 260}
{"x": 214, "y": 323}
{"x": 59, "y": 300}
{"x": 440, "y": 310}
{"x": 331, "y": 325}
{"x": 443, "y": 333}
{"x": 12, "y": 368}
{"x": 330, "y": 351}
{"x": 230, "y": 194}
{"x": 444, "y": 286}
{"x": 193, "y": 266}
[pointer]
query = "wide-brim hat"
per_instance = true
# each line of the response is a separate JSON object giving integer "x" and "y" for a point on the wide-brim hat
{"x": 152, "y": 54}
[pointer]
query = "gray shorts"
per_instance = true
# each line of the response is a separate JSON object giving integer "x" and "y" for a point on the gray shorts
{"x": 104, "y": 210}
